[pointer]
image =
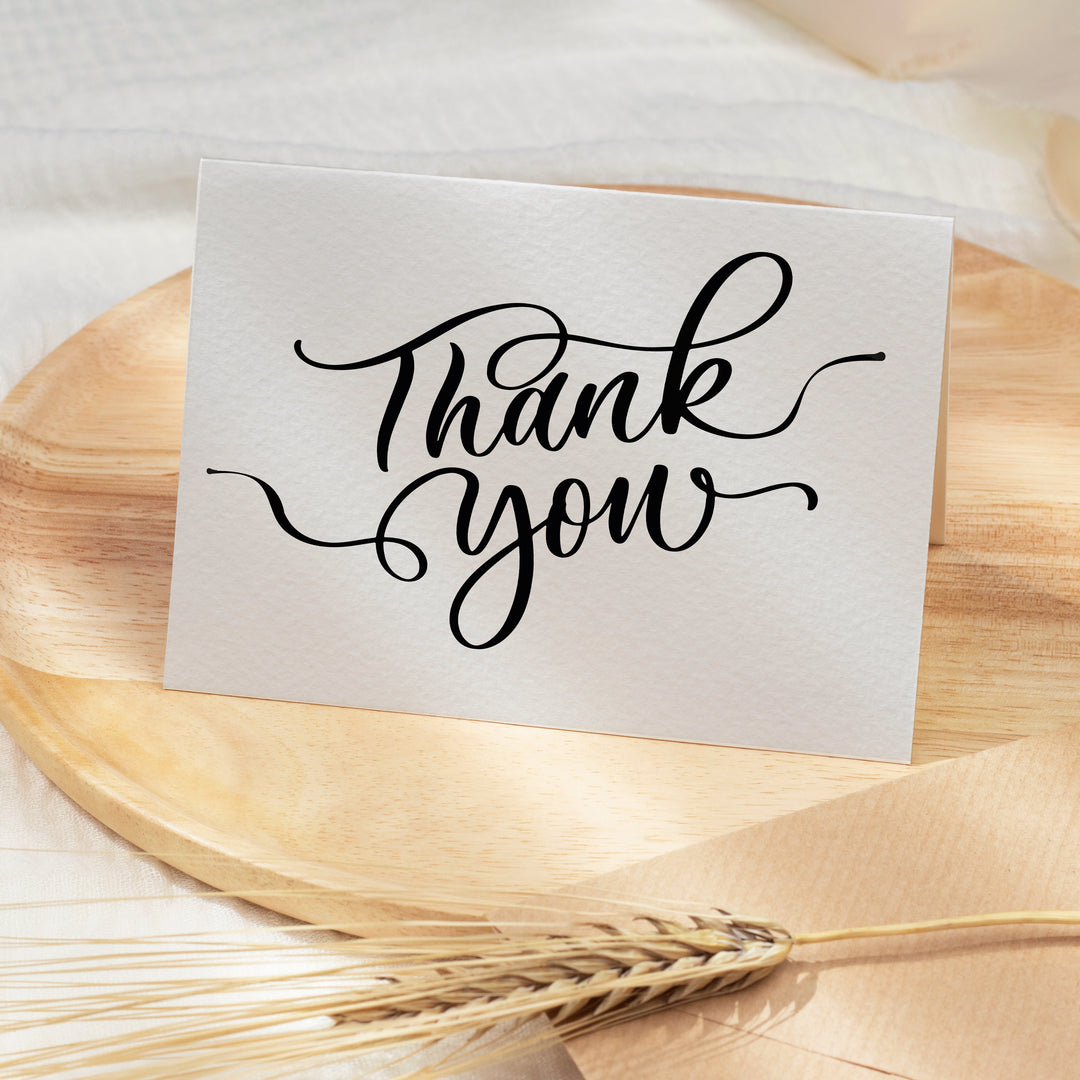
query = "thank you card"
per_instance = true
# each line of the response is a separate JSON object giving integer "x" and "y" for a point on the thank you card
{"x": 648, "y": 464}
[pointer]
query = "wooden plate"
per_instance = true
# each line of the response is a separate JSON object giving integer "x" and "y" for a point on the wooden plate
{"x": 285, "y": 798}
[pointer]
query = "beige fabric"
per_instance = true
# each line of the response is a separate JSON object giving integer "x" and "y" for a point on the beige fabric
{"x": 1022, "y": 51}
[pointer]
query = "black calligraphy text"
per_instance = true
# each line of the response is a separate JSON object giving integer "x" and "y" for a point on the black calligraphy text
{"x": 530, "y": 414}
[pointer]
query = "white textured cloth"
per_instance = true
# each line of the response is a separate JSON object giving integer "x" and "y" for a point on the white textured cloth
{"x": 106, "y": 108}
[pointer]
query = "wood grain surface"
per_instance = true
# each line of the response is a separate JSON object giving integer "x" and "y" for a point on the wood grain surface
{"x": 281, "y": 797}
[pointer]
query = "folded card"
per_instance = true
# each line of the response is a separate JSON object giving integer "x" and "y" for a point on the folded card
{"x": 638, "y": 463}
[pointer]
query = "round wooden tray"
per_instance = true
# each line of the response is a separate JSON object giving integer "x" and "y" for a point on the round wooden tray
{"x": 310, "y": 805}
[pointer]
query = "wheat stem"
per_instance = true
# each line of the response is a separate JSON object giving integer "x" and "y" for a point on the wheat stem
{"x": 960, "y": 922}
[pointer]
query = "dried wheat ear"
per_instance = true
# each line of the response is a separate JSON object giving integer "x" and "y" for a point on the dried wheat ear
{"x": 577, "y": 982}
{"x": 368, "y": 995}
{"x": 581, "y": 983}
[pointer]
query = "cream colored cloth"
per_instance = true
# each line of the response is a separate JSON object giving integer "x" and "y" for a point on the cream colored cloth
{"x": 105, "y": 110}
{"x": 1015, "y": 49}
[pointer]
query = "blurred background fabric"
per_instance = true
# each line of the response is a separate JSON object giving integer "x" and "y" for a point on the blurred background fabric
{"x": 1017, "y": 50}
{"x": 106, "y": 108}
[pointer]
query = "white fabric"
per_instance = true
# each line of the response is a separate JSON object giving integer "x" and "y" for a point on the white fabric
{"x": 106, "y": 108}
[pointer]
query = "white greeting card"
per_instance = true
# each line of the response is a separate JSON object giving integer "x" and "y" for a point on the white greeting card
{"x": 624, "y": 462}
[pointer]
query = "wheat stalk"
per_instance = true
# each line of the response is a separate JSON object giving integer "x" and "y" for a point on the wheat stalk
{"x": 371, "y": 995}
{"x": 578, "y": 982}
{"x": 374, "y": 994}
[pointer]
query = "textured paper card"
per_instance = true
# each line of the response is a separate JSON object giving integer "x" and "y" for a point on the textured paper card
{"x": 615, "y": 461}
